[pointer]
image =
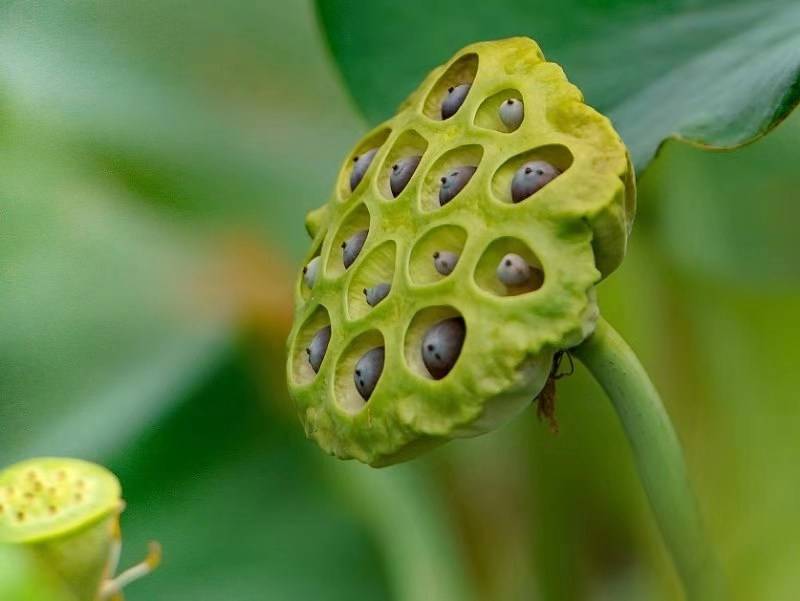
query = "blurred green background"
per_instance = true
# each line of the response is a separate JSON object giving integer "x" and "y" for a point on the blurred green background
{"x": 156, "y": 162}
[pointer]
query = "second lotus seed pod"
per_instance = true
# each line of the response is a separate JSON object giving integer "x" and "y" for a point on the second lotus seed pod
{"x": 445, "y": 261}
{"x": 318, "y": 347}
{"x": 454, "y": 99}
{"x": 360, "y": 165}
{"x": 368, "y": 371}
{"x": 531, "y": 178}
{"x": 352, "y": 247}
{"x": 441, "y": 346}
{"x": 402, "y": 171}
{"x": 511, "y": 113}
{"x": 310, "y": 272}
{"x": 454, "y": 182}
{"x": 377, "y": 293}
{"x": 513, "y": 270}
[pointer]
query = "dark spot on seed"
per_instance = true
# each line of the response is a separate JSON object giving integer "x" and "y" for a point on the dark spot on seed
{"x": 528, "y": 169}
{"x": 430, "y": 347}
{"x": 436, "y": 255}
{"x": 450, "y": 89}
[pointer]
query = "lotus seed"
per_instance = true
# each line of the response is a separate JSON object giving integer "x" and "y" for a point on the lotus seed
{"x": 441, "y": 346}
{"x": 360, "y": 165}
{"x": 532, "y": 177}
{"x": 352, "y": 247}
{"x": 454, "y": 99}
{"x": 318, "y": 347}
{"x": 402, "y": 171}
{"x": 511, "y": 113}
{"x": 368, "y": 371}
{"x": 310, "y": 272}
{"x": 377, "y": 293}
{"x": 445, "y": 261}
{"x": 513, "y": 270}
{"x": 454, "y": 182}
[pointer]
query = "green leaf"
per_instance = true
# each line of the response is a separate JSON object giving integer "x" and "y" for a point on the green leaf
{"x": 719, "y": 74}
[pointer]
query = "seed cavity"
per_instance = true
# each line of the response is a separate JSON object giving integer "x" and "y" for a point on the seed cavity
{"x": 360, "y": 165}
{"x": 445, "y": 261}
{"x": 456, "y": 95}
{"x": 454, "y": 181}
{"x": 352, "y": 247}
{"x": 511, "y": 113}
{"x": 401, "y": 174}
{"x": 377, "y": 293}
{"x": 441, "y": 346}
{"x": 532, "y": 177}
{"x": 368, "y": 371}
{"x": 310, "y": 272}
{"x": 318, "y": 347}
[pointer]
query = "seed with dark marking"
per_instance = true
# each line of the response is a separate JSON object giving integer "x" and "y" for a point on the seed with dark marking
{"x": 377, "y": 293}
{"x": 454, "y": 182}
{"x": 441, "y": 346}
{"x": 318, "y": 347}
{"x": 368, "y": 371}
{"x": 532, "y": 177}
{"x": 360, "y": 165}
{"x": 401, "y": 174}
{"x": 310, "y": 272}
{"x": 511, "y": 113}
{"x": 352, "y": 246}
{"x": 445, "y": 261}
{"x": 513, "y": 270}
{"x": 454, "y": 99}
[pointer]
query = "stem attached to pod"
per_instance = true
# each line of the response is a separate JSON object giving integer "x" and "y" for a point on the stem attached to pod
{"x": 659, "y": 459}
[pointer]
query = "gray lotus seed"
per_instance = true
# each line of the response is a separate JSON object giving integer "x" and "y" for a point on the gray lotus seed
{"x": 352, "y": 246}
{"x": 318, "y": 347}
{"x": 401, "y": 174}
{"x": 368, "y": 371}
{"x": 511, "y": 113}
{"x": 513, "y": 270}
{"x": 445, "y": 261}
{"x": 454, "y": 99}
{"x": 454, "y": 182}
{"x": 360, "y": 165}
{"x": 441, "y": 346}
{"x": 532, "y": 177}
{"x": 377, "y": 293}
{"x": 310, "y": 272}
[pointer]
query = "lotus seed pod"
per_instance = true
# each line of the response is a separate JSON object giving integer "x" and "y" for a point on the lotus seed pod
{"x": 318, "y": 347}
{"x": 532, "y": 177}
{"x": 454, "y": 182}
{"x": 66, "y": 512}
{"x": 513, "y": 270}
{"x": 368, "y": 371}
{"x": 511, "y": 113}
{"x": 454, "y": 99}
{"x": 571, "y": 237}
{"x": 402, "y": 171}
{"x": 310, "y": 272}
{"x": 445, "y": 261}
{"x": 352, "y": 247}
{"x": 377, "y": 293}
{"x": 360, "y": 165}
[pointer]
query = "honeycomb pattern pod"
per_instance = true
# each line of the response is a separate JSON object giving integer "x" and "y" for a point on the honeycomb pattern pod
{"x": 572, "y": 232}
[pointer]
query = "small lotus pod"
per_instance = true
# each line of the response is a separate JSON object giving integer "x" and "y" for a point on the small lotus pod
{"x": 352, "y": 247}
{"x": 454, "y": 182}
{"x": 318, "y": 347}
{"x": 445, "y": 261}
{"x": 513, "y": 270}
{"x": 360, "y": 165}
{"x": 310, "y": 272}
{"x": 511, "y": 113}
{"x": 402, "y": 171}
{"x": 368, "y": 371}
{"x": 532, "y": 177}
{"x": 456, "y": 95}
{"x": 65, "y": 512}
{"x": 571, "y": 238}
{"x": 441, "y": 346}
{"x": 377, "y": 293}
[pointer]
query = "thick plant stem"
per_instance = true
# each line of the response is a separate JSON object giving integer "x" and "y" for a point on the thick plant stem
{"x": 659, "y": 459}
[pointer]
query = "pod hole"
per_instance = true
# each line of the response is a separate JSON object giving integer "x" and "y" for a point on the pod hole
{"x": 347, "y": 393}
{"x": 402, "y": 156}
{"x": 455, "y": 166}
{"x": 462, "y": 71}
{"x": 514, "y": 255}
{"x": 348, "y": 242}
{"x": 434, "y": 341}
{"x": 361, "y": 161}
{"x": 555, "y": 154}
{"x": 310, "y": 333}
{"x": 437, "y": 254}
{"x": 374, "y": 271}
{"x": 497, "y": 113}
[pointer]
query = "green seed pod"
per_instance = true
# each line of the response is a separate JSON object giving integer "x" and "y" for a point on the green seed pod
{"x": 66, "y": 513}
{"x": 569, "y": 234}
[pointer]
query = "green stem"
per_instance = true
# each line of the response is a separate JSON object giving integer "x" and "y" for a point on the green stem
{"x": 659, "y": 459}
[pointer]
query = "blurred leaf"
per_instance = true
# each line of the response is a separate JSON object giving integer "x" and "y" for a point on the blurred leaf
{"x": 718, "y": 73}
